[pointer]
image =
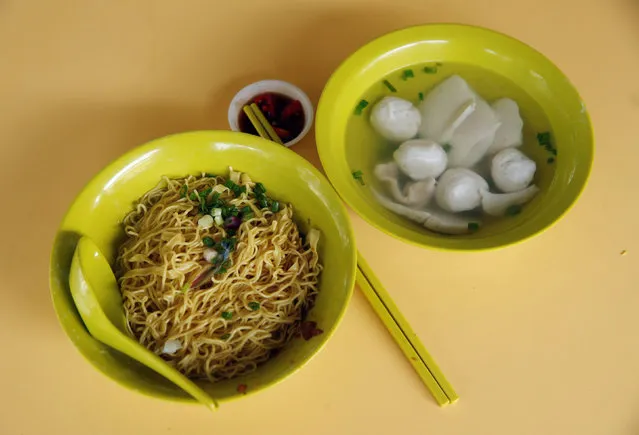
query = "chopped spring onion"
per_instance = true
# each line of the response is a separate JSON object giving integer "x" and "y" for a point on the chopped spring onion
{"x": 205, "y": 192}
{"x": 225, "y": 336}
{"x": 473, "y": 226}
{"x": 193, "y": 196}
{"x": 421, "y": 96}
{"x": 390, "y": 86}
{"x": 551, "y": 160}
{"x": 543, "y": 138}
{"x": 360, "y": 107}
{"x": 407, "y": 74}
{"x": 275, "y": 206}
{"x": 216, "y": 202}
{"x": 230, "y": 211}
{"x": 447, "y": 147}
{"x": 205, "y": 221}
{"x": 228, "y": 244}
{"x": 218, "y": 220}
{"x": 235, "y": 188}
{"x": 254, "y": 306}
{"x": 259, "y": 189}
{"x": 513, "y": 210}
{"x": 359, "y": 176}
{"x": 183, "y": 191}
{"x": 210, "y": 254}
{"x": 247, "y": 212}
{"x": 208, "y": 241}
{"x": 227, "y": 315}
{"x": 172, "y": 346}
{"x": 216, "y": 212}
{"x": 430, "y": 69}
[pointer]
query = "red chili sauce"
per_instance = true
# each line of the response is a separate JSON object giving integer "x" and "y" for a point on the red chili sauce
{"x": 285, "y": 115}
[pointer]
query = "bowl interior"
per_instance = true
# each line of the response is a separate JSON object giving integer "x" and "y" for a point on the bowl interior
{"x": 496, "y": 66}
{"x": 98, "y": 210}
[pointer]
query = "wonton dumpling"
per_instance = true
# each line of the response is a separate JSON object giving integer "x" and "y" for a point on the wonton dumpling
{"x": 396, "y": 119}
{"x": 415, "y": 193}
{"x": 437, "y": 221}
{"x": 446, "y": 107}
{"x": 421, "y": 159}
{"x": 509, "y": 133}
{"x": 512, "y": 170}
{"x": 496, "y": 204}
{"x": 473, "y": 137}
{"x": 459, "y": 190}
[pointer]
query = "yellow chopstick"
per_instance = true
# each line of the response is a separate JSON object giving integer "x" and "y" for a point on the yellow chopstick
{"x": 400, "y": 329}
{"x": 388, "y": 312}
{"x": 256, "y": 123}
{"x": 267, "y": 126}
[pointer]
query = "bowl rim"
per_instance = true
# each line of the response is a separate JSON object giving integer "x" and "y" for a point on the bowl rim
{"x": 321, "y": 132}
{"x": 239, "y": 138}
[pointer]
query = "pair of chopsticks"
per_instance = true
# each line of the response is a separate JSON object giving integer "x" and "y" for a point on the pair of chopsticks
{"x": 260, "y": 123}
{"x": 382, "y": 303}
{"x": 406, "y": 338}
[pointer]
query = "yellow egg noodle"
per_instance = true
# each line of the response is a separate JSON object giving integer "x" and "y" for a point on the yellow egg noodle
{"x": 215, "y": 275}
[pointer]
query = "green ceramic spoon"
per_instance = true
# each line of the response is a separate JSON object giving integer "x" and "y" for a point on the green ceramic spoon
{"x": 97, "y": 297}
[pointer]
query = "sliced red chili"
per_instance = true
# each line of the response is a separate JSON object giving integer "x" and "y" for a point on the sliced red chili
{"x": 294, "y": 108}
{"x": 282, "y": 133}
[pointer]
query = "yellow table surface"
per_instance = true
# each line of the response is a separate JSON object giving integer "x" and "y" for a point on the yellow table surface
{"x": 541, "y": 338}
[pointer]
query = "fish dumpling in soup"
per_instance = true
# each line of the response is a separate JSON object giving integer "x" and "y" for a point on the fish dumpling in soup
{"x": 415, "y": 193}
{"x": 459, "y": 190}
{"x": 395, "y": 119}
{"x": 421, "y": 159}
{"x": 498, "y": 204}
{"x": 512, "y": 170}
{"x": 434, "y": 220}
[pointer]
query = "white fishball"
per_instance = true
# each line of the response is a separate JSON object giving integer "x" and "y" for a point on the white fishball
{"x": 396, "y": 119}
{"x": 512, "y": 170}
{"x": 459, "y": 189}
{"x": 421, "y": 159}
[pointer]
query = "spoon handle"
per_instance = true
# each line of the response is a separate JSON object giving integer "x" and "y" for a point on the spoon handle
{"x": 132, "y": 348}
{"x": 94, "y": 288}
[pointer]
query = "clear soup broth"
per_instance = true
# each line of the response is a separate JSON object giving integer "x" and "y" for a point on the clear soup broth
{"x": 413, "y": 84}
